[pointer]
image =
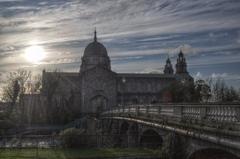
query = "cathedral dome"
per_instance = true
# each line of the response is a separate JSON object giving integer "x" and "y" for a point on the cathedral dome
{"x": 95, "y": 55}
{"x": 95, "y": 49}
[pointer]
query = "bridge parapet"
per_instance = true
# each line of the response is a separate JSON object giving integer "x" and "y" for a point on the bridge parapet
{"x": 205, "y": 113}
{"x": 214, "y": 124}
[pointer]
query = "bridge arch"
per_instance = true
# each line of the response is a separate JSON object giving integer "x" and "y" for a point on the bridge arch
{"x": 133, "y": 134}
{"x": 211, "y": 153}
{"x": 123, "y": 134}
{"x": 151, "y": 138}
{"x": 124, "y": 128}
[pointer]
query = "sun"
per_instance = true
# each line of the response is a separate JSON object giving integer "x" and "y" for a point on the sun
{"x": 35, "y": 54}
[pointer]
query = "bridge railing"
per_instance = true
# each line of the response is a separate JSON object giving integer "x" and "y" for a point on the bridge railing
{"x": 209, "y": 111}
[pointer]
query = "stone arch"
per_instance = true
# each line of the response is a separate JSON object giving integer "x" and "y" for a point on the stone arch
{"x": 151, "y": 138}
{"x": 106, "y": 125}
{"x": 98, "y": 103}
{"x": 123, "y": 134}
{"x": 211, "y": 153}
{"x": 115, "y": 127}
{"x": 133, "y": 134}
{"x": 124, "y": 128}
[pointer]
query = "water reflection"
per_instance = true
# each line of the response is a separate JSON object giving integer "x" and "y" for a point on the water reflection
{"x": 28, "y": 142}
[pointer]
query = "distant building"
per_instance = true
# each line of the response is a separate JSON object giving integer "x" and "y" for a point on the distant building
{"x": 96, "y": 87}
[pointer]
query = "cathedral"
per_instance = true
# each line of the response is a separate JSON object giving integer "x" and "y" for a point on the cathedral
{"x": 96, "y": 87}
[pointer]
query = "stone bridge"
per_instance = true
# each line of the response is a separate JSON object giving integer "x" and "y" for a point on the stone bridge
{"x": 193, "y": 130}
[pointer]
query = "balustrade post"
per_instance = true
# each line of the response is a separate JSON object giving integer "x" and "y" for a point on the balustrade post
{"x": 203, "y": 112}
{"x": 137, "y": 110}
{"x": 119, "y": 110}
{"x": 159, "y": 109}
{"x": 111, "y": 111}
{"x": 147, "y": 109}
{"x": 177, "y": 111}
{"x": 237, "y": 113}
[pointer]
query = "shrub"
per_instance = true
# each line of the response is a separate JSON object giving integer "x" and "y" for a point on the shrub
{"x": 6, "y": 124}
{"x": 72, "y": 137}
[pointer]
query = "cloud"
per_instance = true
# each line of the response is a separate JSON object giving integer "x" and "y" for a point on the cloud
{"x": 229, "y": 78}
{"x": 238, "y": 41}
{"x": 198, "y": 75}
{"x": 151, "y": 70}
{"x": 185, "y": 48}
{"x": 218, "y": 75}
{"x": 136, "y": 33}
{"x": 11, "y": 0}
{"x": 219, "y": 35}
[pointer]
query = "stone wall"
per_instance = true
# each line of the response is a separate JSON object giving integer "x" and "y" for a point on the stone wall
{"x": 98, "y": 90}
{"x": 142, "y": 88}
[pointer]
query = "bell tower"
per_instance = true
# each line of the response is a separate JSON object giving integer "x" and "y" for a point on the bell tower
{"x": 181, "y": 66}
{"x": 168, "y": 67}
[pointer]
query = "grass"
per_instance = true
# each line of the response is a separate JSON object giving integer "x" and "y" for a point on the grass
{"x": 75, "y": 153}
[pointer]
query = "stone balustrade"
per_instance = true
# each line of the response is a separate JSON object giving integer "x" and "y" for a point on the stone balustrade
{"x": 208, "y": 112}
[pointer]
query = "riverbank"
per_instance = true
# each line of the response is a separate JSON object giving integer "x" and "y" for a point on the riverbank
{"x": 113, "y": 153}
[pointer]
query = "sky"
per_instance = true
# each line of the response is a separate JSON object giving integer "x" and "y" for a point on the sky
{"x": 138, "y": 34}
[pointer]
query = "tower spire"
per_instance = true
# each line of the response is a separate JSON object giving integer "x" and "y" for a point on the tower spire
{"x": 181, "y": 66}
{"x": 95, "y": 35}
{"x": 168, "y": 67}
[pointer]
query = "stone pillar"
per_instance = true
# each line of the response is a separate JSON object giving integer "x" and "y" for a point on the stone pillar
{"x": 177, "y": 111}
{"x": 203, "y": 111}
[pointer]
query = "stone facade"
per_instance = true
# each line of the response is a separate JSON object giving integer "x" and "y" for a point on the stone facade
{"x": 96, "y": 87}
{"x": 34, "y": 109}
{"x": 142, "y": 88}
{"x": 98, "y": 90}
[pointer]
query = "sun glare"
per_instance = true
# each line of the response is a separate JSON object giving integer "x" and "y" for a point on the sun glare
{"x": 35, "y": 54}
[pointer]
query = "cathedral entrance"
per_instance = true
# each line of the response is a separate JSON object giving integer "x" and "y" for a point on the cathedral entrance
{"x": 99, "y": 104}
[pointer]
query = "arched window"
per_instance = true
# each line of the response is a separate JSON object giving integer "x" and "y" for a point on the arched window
{"x": 99, "y": 103}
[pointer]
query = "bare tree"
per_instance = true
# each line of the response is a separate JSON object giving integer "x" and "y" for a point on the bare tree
{"x": 221, "y": 92}
{"x": 34, "y": 85}
{"x": 38, "y": 83}
{"x": 202, "y": 91}
{"x": 15, "y": 86}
